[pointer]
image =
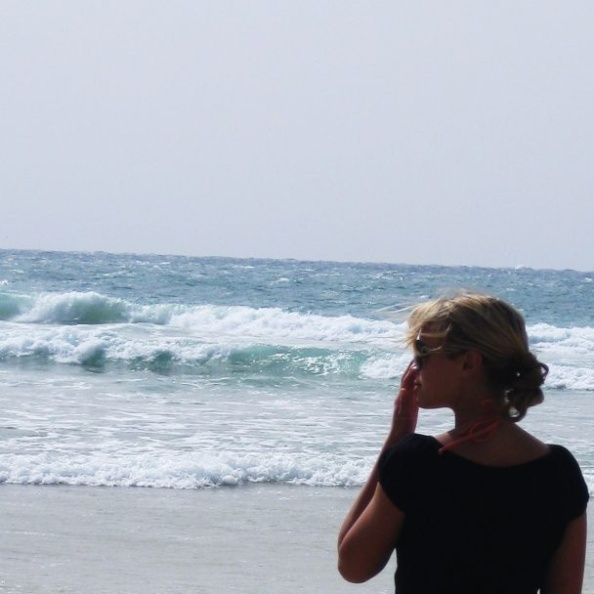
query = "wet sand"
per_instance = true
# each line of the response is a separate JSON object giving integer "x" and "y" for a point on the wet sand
{"x": 257, "y": 539}
{"x": 252, "y": 539}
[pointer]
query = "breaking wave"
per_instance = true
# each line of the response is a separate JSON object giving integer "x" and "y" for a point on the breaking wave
{"x": 98, "y": 332}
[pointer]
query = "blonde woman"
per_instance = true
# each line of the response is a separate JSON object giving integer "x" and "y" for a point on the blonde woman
{"x": 486, "y": 507}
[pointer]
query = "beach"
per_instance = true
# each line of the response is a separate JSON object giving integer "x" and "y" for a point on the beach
{"x": 172, "y": 425}
{"x": 254, "y": 539}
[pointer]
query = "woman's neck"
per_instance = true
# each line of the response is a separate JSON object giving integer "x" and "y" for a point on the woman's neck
{"x": 479, "y": 430}
{"x": 508, "y": 445}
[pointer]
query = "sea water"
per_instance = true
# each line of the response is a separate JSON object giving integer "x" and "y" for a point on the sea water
{"x": 190, "y": 373}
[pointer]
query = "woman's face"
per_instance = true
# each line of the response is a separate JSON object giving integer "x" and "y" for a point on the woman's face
{"x": 437, "y": 381}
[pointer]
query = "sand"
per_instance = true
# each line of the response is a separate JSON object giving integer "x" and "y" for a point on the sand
{"x": 254, "y": 539}
{"x": 257, "y": 539}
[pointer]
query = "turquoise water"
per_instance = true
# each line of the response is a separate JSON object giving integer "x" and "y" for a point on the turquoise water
{"x": 181, "y": 372}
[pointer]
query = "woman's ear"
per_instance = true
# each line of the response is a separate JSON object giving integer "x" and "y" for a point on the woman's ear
{"x": 472, "y": 361}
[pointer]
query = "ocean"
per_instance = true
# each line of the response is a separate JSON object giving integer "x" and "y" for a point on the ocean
{"x": 172, "y": 424}
{"x": 192, "y": 373}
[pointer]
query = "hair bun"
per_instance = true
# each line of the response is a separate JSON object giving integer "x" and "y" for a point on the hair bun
{"x": 527, "y": 372}
{"x": 526, "y": 376}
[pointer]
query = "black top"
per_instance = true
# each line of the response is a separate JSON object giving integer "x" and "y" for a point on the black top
{"x": 470, "y": 528}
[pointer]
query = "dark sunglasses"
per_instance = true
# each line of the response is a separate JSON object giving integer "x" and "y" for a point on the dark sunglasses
{"x": 422, "y": 351}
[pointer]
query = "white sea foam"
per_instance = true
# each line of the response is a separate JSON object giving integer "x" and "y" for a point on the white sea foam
{"x": 275, "y": 324}
{"x": 192, "y": 470}
{"x": 185, "y": 471}
{"x": 385, "y": 365}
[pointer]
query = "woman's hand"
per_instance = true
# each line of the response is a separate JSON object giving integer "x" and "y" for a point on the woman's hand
{"x": 373, "y": 513}
{"x": 406, "y": 407}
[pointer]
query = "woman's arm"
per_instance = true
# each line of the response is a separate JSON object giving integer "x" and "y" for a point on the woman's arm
{"x": 566, "y": 573}
{"x": 370, "y": 529}
{"x": 366, "y": 548}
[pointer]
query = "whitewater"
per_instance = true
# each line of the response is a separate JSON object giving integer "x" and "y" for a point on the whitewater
{"x": 192, "y": 373}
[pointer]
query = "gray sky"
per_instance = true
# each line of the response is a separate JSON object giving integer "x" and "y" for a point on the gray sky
{"x": 440, "y": 132}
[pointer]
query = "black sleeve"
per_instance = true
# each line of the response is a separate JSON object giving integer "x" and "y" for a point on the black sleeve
{"x": 575, "y": 486}
{"x": 395, "y": 475}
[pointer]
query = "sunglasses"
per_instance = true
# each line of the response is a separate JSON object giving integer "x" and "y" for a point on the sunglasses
{"x": 422, "y": 351}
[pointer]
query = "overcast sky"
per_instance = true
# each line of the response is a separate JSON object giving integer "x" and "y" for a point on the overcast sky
{"x": 440, "y": 132}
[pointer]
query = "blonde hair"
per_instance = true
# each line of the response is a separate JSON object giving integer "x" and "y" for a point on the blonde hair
{"x": 493, "y": 328}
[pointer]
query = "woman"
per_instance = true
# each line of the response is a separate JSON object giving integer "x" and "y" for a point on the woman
{"x": 485, "y": 507}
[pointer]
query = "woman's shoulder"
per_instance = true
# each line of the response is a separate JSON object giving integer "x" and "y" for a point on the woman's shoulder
{"x": 562, "y": 455}
{"x": 403, "y": 466}
{"x": 412, "y": 446}
{"x": 566, "y": 465}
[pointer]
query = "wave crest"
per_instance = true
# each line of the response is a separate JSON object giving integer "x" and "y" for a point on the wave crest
{"x": 74, "y": 308}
